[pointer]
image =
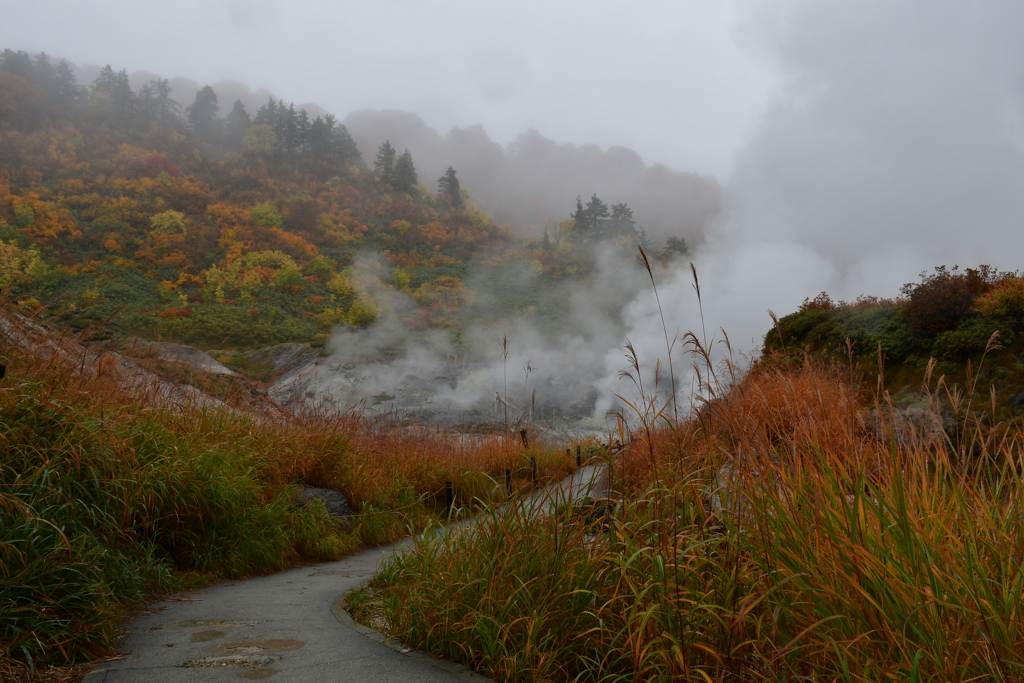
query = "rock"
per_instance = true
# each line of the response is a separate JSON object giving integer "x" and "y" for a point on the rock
{"x": 188, "y": 355}
{"x": 1017, "y": 400}
{"x": 918, "y": 426}
{"x": 744, "y": 473}
{"x": 335, "y": 502}
{"x": 598, "y": 511}
{"x": 285, "y": 357}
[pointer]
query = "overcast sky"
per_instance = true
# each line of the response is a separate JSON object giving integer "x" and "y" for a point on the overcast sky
{"x": 664, "y": 77}
{"x": 859, "y": 142}
{"x": 878, "y": 136}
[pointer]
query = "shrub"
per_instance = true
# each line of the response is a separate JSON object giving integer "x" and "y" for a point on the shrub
{"x": 943, "y": 299}
{"x": 1004, "y": 301}
{"x": 967, "y": 340}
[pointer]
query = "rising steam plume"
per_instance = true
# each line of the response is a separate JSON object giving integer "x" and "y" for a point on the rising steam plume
{"x": 894, "y": 142}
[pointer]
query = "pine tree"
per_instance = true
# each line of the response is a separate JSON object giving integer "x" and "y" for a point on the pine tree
{"x": 674, "y": 247}
{"x": 591, "y": 221}
{"x": 287, "y": 129}
{"x": 384, "y": 166}
{"x": 43, "y": 73}
{"x": 236, "y": 124}
{"x": 448, "y": 188}
{"x": 116, "y": 88}
{"x": 202, "y": 115}
{"x": 622, "y": 224}
{"x": 67, "y": 92}
{"x": 405, "y": 179}
{"x": 641, "y": 240}
{"x": 597, "y": 211}
{"x": 156, "y": 104}
{"x": 58, "y": 81}
{"x": 341, "y": 146}
{"x": 18, "y": 63}
{"x": 267, "y": 114}
{"x": 302, "y": 132}
{"x": 581, "y": 223}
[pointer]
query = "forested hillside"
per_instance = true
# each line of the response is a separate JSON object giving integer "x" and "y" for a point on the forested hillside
{"x": 126, "y": 213}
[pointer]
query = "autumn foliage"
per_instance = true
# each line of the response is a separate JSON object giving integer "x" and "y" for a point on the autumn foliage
{"x": 115, "y": 210}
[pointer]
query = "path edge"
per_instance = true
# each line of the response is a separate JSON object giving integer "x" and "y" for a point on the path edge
{"x": 343, "y": 617}
{"x": 463, "y": 672}
{"x": 97, "y": 675}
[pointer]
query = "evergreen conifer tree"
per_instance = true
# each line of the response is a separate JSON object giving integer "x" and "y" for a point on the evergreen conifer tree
{"x": 236, "y": 124}
{"x": 115, "y": 86}
{"x": 19, "y": 63}
{"x": 156, "y": 105}
{"x": 675, "y": 246}
{"x": 67, "y": 92}
{"x": 202, "y": 115}
{"x": 405, "y": 179}
{"x": 448, "y": 188}
{"x": 581, "y": 228}
{"x": 591, "y": 221}
{"x": 384, "y": 166}
{"x": 621, "y": 223}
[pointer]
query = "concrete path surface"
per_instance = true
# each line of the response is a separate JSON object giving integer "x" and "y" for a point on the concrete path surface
{"x": 285, "y": 626}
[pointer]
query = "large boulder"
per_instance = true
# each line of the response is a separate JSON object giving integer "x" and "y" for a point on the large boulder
{"x": 727, "y": 496}
{"x": 915, "y": 427}
{"x": 335, "y": 502}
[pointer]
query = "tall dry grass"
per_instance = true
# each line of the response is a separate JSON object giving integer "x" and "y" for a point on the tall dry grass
{"x": 424, "y": 457}
{"x": 779, "y": 534}
{"x": 116, "y": 485}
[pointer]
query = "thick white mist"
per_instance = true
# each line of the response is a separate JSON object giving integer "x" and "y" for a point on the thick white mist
{"x": 895, "y": 143}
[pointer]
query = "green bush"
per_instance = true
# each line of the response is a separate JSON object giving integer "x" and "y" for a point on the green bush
{"x": 97, "y": 509}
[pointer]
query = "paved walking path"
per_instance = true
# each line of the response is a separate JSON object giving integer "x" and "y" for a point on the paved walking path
{"x": 283, "y": 626}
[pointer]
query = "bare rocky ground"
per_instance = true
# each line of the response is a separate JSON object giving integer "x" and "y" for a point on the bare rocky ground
{"x": 180, "y": 353}
{"x": 461, "y": 395}
{"x": 456, "y": 394}
{"x": 38, "y": 341}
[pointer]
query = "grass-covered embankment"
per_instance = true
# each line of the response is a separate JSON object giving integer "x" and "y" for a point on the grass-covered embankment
{"x": 776, "y": 536}
{"x": 106, "y": 501}
{"x": 112, "y": 491}
{"x": 941, "y": 326}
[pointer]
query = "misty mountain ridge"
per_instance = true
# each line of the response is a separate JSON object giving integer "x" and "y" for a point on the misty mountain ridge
{"x": 527, "y": 184}
{"x": 162, "y": 221}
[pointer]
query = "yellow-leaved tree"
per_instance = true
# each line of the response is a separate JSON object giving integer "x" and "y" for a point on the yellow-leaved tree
{"x": 20, "y": 267}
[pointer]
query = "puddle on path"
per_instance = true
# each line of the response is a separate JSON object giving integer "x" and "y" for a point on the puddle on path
{"x": 259, "y": 646}
{"x": 246, "y": 661}
{"x": 206, "y": 636}
{"x": 200, "y": 623}
{"x": 247, "y": 654}
{"x": 258, "y": 674}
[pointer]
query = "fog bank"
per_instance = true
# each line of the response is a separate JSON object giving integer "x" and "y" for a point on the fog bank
{"x": 894, "y": 144}
{"x": 532, "y": 184}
